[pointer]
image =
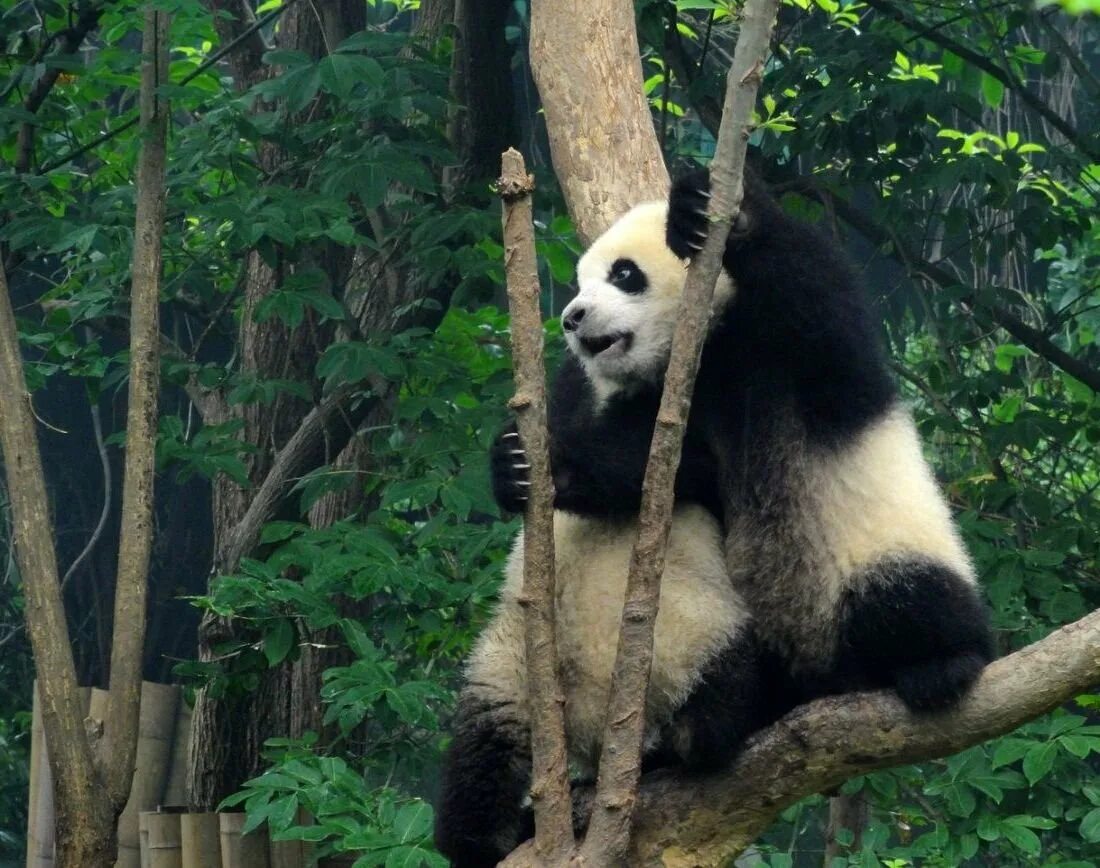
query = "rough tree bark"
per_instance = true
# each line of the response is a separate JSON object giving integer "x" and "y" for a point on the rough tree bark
{"x": 91, "y": 787}
{"x": 227, "y": 736}
{"x": 708, "y": 821}
{"x": 136, "y": 535}
{"x": 550, "y": 777}
{"x": 295, "y": 437}
{"x": 602, "y": 143}
{"x": 620, "y": 760}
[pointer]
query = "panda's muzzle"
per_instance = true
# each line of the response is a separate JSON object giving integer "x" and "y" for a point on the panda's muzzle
{"x": 600, "y": 343}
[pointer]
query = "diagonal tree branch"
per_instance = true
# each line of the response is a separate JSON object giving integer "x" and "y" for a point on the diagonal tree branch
{"x": 75, "y": 778}
{"x": 1031, "y": 337}
{"x": 707, "y": 821}
{"x": 236, "y": 25}
{"x": 620, "y": 760}
{"x": 71, "y": 40}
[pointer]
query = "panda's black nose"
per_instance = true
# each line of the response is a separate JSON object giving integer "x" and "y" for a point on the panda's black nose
{"x": 573, "y": 319}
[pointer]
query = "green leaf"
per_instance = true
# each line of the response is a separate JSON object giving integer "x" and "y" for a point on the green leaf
{"x": 1009, "y": 750}
{"x": 1038, "y": 762}
{"x": 993, "y": 91}
{"x": 1022, "y": 837}
{"x": 413, "y": 821}
{"x": 1090, "y": 826}
{"x": 989, "y": 827}
{"x": 278, "y": 641}
{"x": 278, "y": 531}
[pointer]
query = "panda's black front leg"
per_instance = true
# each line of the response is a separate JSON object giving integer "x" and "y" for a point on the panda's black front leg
{"x": 509, "y": 469}
{"x": 480, "y": 817}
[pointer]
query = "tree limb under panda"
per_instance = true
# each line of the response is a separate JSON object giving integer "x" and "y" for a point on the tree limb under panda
{"x": 706, "y": 821}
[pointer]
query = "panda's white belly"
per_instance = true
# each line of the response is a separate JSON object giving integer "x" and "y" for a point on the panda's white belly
{"x": 700, "y": 613}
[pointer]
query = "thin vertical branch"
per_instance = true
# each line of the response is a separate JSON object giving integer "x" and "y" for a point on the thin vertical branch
{"x": 620, "y": 761}
{"x": 136, "y": 538}
{"x": 549, "y": 780}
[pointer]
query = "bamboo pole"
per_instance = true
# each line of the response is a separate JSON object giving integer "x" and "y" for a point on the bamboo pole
{"x": 175, "y": 790}
{"x": 156, "y": 728}
{"x": 162, "y": 838}
{"x": 200, "y": 840}
{"x": 241, "y": 851}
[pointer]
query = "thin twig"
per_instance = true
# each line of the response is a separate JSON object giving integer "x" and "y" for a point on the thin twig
{"x": 105, "y": 465}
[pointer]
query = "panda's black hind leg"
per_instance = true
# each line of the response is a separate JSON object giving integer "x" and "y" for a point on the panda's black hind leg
{"x": 919, "y": 627}
{"x": 937, "y": 683}
{"x": 480, "y": 817}
{"x": 726, "y": 706}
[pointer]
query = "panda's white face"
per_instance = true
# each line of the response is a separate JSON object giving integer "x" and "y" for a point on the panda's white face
{"x": 620, "y": 324}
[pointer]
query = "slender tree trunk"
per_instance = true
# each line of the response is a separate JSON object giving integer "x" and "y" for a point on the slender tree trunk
{"x": 91, "y": 787}
{"x": 845, "y": 812}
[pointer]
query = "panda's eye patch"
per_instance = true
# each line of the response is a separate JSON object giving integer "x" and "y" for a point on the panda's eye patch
{"x": 627, "y": 276}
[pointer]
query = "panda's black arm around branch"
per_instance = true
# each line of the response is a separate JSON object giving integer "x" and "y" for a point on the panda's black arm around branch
{"x": 597, "y": 459}
{"x": 797, "y": 309}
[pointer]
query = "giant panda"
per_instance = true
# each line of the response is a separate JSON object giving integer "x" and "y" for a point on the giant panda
{"x": 706, "y": 691}
{"x": 837, "y": 536}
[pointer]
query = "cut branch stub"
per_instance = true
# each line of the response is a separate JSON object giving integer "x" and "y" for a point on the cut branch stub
{"x": 550, "y": 780}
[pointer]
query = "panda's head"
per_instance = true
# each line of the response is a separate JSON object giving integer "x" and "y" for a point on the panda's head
{"x": 629, "y": 284}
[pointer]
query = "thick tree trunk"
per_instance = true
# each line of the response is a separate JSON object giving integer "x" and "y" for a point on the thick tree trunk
{"x": 584, "y": 56}
{"x": 228, "y": 735}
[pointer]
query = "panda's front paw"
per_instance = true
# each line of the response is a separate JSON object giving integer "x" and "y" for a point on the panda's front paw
{"x": 510, "y": 471}
{"x": 688, "y": 224}
{"x": 687, "y": 214}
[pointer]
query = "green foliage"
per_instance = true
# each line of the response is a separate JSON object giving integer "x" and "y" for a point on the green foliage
{"x": 344, "y": 815}
{"x": 425, "y": 561}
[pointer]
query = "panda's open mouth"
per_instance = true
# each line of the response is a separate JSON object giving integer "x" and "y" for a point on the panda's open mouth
{"x": 601, "y": 343}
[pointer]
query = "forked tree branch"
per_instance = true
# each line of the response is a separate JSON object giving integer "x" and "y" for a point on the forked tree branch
{"x": 620, "y": 760}
{"x": 550, "y": 795}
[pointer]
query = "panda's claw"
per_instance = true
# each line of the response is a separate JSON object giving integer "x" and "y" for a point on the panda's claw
{"x": 521, "y": 466}
{"x": 518, "y": 452}
{"x": 695, "y": 247}
{"x": 510, "y": 435}
{"x": 522, "y": 483}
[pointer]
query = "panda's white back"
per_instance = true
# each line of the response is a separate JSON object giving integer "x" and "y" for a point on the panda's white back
{"x": 700, "y": 613}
